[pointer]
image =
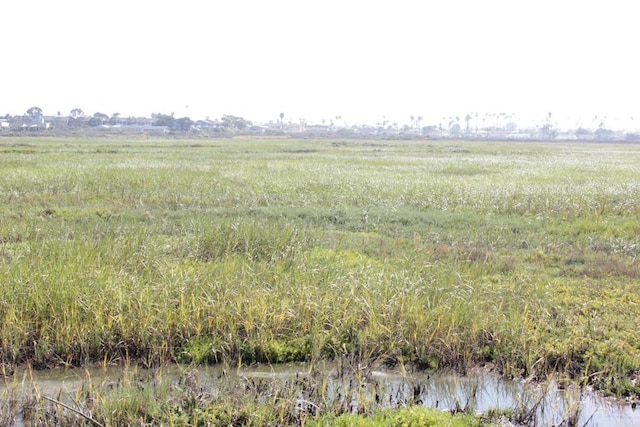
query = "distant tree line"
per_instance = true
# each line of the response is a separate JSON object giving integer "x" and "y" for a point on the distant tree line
{"x": 472, "y": 125}
{"x": 78, "y": 118}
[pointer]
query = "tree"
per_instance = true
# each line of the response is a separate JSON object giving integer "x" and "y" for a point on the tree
{"x": 236, "y": 123}
{"x": 114, "y": 119}
{"x": 76, "y": 117}
{"x": 427, "y": 129}
{"x": 511, "y": 126}
{"x": 282, "y": 121}
{"x": 77, "y": 113}
{"x": 34, "y": 112}
{"x": 632, "y": 137}
{"x": 98, "y": 119}
{"x": 547, "y": 129}
{"x": 163, "y": 120}
{"x": 468, "y": 119}
{"x": 183, "y": 124}
{"x": 602, "y": 133}
{"x": 35, "y": 115}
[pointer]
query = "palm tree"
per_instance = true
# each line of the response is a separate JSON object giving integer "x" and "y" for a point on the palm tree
{"x": 282, "y": 121}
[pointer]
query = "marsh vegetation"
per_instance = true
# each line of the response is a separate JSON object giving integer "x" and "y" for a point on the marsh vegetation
{"x": 520, "y": 257}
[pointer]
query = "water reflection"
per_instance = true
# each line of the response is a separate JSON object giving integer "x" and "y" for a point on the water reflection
{"x": 478, "y": 391}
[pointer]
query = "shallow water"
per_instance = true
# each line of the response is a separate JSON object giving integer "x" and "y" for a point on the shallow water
{"x": 478, "y": 390}
{"x": 482, "y": 391}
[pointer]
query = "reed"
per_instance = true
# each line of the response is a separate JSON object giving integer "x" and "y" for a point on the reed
{"x": 522, "y": 256}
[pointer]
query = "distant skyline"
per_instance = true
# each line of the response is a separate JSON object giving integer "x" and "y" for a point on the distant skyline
{"x": 361, "y": 60}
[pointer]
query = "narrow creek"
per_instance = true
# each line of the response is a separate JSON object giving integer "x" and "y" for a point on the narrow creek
{"x": 477, "y": 391}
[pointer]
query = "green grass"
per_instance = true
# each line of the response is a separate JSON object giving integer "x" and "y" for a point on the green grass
{"x": 520, "y": 255}
{"x": 405, "y": 417}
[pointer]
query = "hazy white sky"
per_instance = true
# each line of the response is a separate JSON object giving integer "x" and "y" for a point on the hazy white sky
{"x": 362, "y": 60}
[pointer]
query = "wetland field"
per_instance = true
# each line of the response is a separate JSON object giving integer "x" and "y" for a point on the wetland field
{"x": 518, "y": 258}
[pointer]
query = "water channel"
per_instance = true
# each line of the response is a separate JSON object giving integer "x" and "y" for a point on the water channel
{"x": 478, "y": 390}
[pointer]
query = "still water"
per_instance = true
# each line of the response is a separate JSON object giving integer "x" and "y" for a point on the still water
{"x": 478, "y": 390}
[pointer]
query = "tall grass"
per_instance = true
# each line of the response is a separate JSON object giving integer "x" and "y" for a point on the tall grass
{"x": 523, "y": 256}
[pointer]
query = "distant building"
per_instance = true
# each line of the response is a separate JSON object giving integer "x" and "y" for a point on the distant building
{"x": 155, "y": 129}
{"x": 519, "y": 136}
{"x": 292, "y": 127}
{"x": 412, "y": 131}
{"x": 435, "y": 133}
{"x": 258, "y": 129}
{"x": 137, "y": 128}
{"x": 318, "y": 129}
{"x": 367, "y": 130}
{"x": 566, "y": 137}
{"x": 29, "y": 123}
{"x": 57, "y": 121}
{"x": 207, "y": 125}
{"x": 389, "y": 130}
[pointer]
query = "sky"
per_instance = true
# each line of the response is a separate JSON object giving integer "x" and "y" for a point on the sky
{"x": 363, "y": 61}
